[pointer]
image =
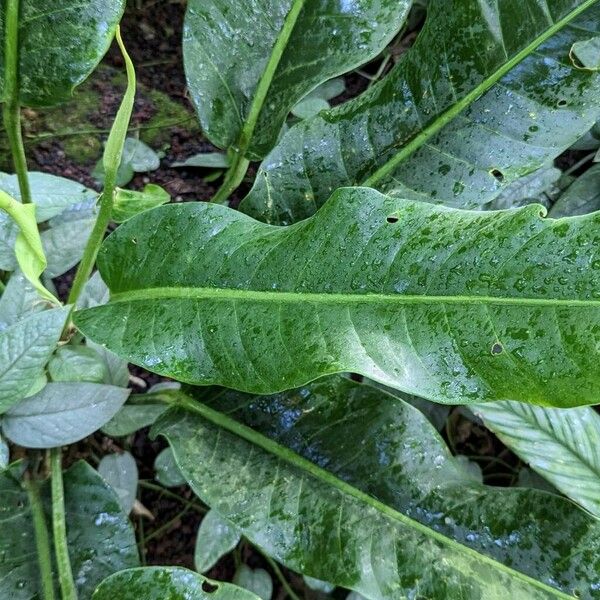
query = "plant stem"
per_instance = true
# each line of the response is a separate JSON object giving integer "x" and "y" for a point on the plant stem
{"x": 233, "y": 178}
{"x": 111, "y": 160}
{"x": 59, "y": 527}
{"x": 11, "y": 112}
{"x": 42, "y": 541}
{"x": 275, "y": 568}
{"x": 238, "y": 167}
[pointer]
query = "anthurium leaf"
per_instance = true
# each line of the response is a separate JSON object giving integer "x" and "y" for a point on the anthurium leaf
{"x": 561, "y": 445}
{"x": 50, "y": 194}
{"x": 76, "y": 363}
{"x": 25, "y": 348}
{"x": 166, "y": 469}
{"x": 213, "y": 160}
{"x": 62, "y": 413}
{"x": 257, "y": 581}
{"x": 453, "y": 306}
{"x": 132, "y": 417}
{"x": 586, "y": 53}
{"x": 60, "y": 44}
{"x": 345, "y": 483}
{"x": 65, "y": 239}
{"x": 174, "y": 583}
{"x": 100, "y": 538}
{"x": 4, "y": 454}
{"x": 129, "y": 203}
{"x": 247, "y": 66}
{"x": 18, "y": 300}
{"x": 473, "y": 105}
{"x": 121, "y": 473}
{"x": 581, "y": 197}
{"x": 216, "y": 537}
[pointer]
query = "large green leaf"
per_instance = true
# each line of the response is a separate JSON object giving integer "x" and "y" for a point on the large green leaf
{"x": 100, "y": 538}
{"x": 60, "y": 44}
{"x": 247, "y": 64}
{"x": 430, "y": 129}
{"x": 561, "y": 445}
{"x": 343, "y": 482}
{"x": 25, "y": 347}
{"x": 453, "y": 306}
{"x": 174, "y": 583}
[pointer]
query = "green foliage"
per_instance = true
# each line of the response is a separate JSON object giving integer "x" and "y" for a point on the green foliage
{"x": 437, "y": 130}
{"x": 449, "y": 305}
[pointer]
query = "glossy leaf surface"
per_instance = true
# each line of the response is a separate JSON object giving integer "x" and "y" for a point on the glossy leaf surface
{"x": 121, "y": 473}
{"x": 561, "y": 445}
{"x": 60, "y": 44}
{"x": 449, "y": 305}
{"x": 581, "y": 197}
{"x": 62, "y": 413}
{"x": 25, "y": 348}
{"x": 100, "y": 538}
{"x": 174, "y": 583}
{"x": 253, "y": 61}
{"x": 354, "y": 486}
{"x": 430, "y": 130}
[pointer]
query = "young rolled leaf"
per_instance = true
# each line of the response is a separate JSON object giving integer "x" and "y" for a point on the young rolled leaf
{"x": 248, "y": 64}
{"x": 476, "y": 103}
{"x": 100, "y": 538}
{"x": 449, "y": 305}
{"x": 345, "y": 483}
{"x": 561, "y": 445}
{"x": 60, "y": 44}
{"x": 25, "y": 348}
{"x": 174, "y": 583}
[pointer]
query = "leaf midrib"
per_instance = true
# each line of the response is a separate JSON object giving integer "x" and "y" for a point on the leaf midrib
{"x": 454, "y": 110}
{"x": 215, "y": 293}
{"x": 282, "y": 453}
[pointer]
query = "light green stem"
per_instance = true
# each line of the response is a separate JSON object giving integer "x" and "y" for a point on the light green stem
{"x": 59, "y": 528}
{"x": 238, "y": 168}
{"x": 11, "y": 112}
{"x": 42, "y": 541}
{"x": 111, "y": 160}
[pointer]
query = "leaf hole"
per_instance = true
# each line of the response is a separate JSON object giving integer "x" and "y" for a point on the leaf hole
{"x": 392, "y": 219}
{"x": 497, "y": 348}
{"x": 209, "y": 588}
{"x": 497, "y": 174}
{"x": 561, "y": 102}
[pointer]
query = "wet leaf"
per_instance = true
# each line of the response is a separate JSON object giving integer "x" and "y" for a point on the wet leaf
{"x": 581, "y": 197}
{"x": 25, "y": 348}
{"x": 132, "y": 417}
{"x": 4, "y": 454}
{"x": 174, "y": 583}
{"x": 100, "y": 538}
{"x": 60, "y": 44}
{"x": 18, "y": 300}
{"x": 472, "y": 106}
{"x": 121, "y": 473}
{"x": 561, "y": 445}
{"x": 62, "y": 413}
{"x": 246, "y": 68}
{"x": 449, "y": 305}
{"x": 216, "y": 538}
{"x": 343, "y": 482}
